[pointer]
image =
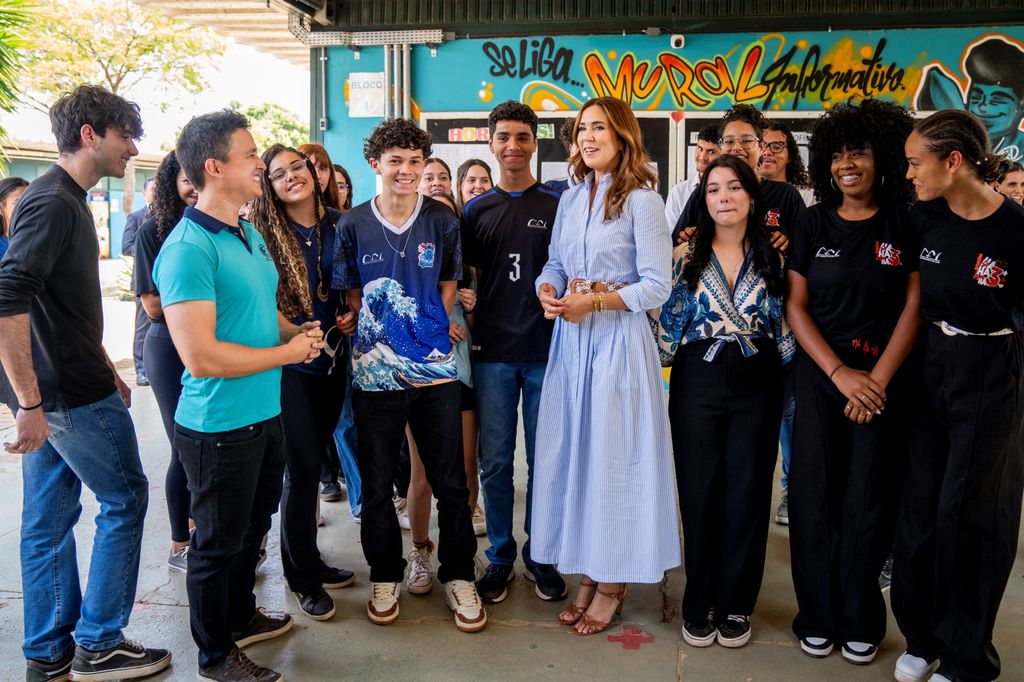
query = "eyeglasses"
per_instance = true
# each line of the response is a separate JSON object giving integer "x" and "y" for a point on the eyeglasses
{"x": 730, "y": 142}
{"x": 280, "y": 174}
{"x": 776, "y": 147}
{"x": 343, "y": 185}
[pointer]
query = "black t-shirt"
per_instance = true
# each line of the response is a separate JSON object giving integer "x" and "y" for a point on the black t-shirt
{"x": 971, "y": 269}
{"x": 856, "y": 273}
{"x": 506, "y": 235}
{"x": 147, "y": 247}
{"x": 324, "y": 311}
{"x": 51, "y": 272}
{"x": 782, "y": 200}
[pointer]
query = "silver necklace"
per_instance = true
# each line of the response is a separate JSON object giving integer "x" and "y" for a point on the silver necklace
{"x": 307, "y": 237}
{"x": 408, "y": 234}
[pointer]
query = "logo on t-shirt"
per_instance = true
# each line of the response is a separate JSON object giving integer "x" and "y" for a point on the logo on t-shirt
{"x": 771, "y": 218}
{"x": 263, "y": 249}
{"x": 827, "y": 253}
{"x": 989, "y": 272}
{"x": 538, "y": 223}
{"x": 887, "y": 254}
{"x": 931, "y": 256}
{"x": 426, "y": 258}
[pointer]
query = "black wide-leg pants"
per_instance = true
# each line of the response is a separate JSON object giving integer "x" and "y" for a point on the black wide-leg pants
{"x": 844, "y": 479}
{"x": 960, "y": 514}
{"x": 725, "y": 417}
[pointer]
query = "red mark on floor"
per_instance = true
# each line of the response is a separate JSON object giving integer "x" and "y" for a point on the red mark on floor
{"x": 632, "y": 637}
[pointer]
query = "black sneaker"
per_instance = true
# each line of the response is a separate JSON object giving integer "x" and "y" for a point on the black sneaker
{"x": 816, "y": 647}
{"x": 262, "y": 626}
{"x": 44, "y": 671}
{"x": 336, "y": 578}
{"x": 125, "y": 661}
{"x": 317, "y": 604}
{"x": 699, "y": 635}
{"x": 734, "y": 632}
{"x": 549, "y": 585}
{"x": 859, "y": 653}
{"x": 885, "y": 577}
{"x": 493, "y": 587}
{"x": 330, "y": 492}
{"x": 237, "y": 667}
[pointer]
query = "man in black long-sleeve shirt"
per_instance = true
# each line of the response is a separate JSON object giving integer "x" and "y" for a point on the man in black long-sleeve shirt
{"x": 133, "y": 221}
{"x": 70, "y": 407}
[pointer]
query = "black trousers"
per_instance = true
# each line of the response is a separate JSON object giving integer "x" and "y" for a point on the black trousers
{"x": 235, "y": 479}
{"x": 960, "y": 515}
{"x": 142, "y": 323}
{"x": 164, "y": 369}
{"x": 844, "y": 482}
{"x": 434, "y": 417}
{"x": 310, "y": 408}
{"x": 725, "y": 417}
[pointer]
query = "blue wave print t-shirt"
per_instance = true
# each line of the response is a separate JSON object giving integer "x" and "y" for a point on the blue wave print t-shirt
{"x": 401, "y": 341}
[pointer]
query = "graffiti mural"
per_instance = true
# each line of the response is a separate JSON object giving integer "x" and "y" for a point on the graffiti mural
{"x": 988, "y": 82}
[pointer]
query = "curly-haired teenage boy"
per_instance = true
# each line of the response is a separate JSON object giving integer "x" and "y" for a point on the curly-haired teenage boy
{"x": 398, "y": 258}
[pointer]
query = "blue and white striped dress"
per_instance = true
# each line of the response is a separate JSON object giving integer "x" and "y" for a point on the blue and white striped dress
{"x": 604, "y": 497}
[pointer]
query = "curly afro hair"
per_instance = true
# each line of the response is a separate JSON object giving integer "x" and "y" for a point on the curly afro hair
{"x": 881, "y": 126}
{"x": 511, "y": 110}
{"x": 396, "y": 133}
{"x": 747, "y": 114}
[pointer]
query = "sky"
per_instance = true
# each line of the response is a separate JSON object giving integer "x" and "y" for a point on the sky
{"x": 242, "y": 75}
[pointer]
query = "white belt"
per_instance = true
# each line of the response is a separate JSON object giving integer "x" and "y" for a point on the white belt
{"x": 950, "y": 330}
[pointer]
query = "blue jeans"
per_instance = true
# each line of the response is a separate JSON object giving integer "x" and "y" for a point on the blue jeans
{"x": 497, "y": 386}
{"x": 93, "y": 444}
{"x": 345, "y": 439}
{"x": 786, "y": 431}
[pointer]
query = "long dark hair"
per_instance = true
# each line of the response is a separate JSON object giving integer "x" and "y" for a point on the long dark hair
{"x": 461, "y": 178}
{"x": 271, "y": 219}
{"x": 758, "y": 239}
{"x": 340, "y": 170}
{"x": 167, "y": 206}
{"x": 8, "y": 185}
{"x": 796, "y": 174}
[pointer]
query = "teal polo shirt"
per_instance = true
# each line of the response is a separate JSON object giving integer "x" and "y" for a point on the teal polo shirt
{"x": 204, "y": 259}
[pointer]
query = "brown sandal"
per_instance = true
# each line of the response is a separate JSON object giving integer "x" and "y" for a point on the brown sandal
{"x": 575, "y": 611}
{"x": 596, "y": 626}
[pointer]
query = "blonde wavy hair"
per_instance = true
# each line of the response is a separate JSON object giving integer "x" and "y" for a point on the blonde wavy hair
{"x": 272, "y": 222}
{"x": 633, "y": 170}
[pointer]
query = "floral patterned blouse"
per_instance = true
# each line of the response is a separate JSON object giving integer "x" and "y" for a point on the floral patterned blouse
{"x": 714, "y": 311}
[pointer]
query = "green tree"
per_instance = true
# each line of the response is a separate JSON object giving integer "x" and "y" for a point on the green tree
{"x": 13, "y": 20}
{"x": 270, "y": 123}
{"x": 117, "y": 44}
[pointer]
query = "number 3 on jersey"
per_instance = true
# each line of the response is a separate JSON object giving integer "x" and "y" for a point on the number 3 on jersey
{"x": 514, "y": 272}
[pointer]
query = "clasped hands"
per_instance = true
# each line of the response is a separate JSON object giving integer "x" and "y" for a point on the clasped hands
{"x": 865, "y": 395}
{"x": 571, "y": 307}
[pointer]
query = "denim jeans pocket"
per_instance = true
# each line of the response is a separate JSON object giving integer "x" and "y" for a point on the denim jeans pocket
{"x": 59, "y": 422}
{"x": 243, "y": 436}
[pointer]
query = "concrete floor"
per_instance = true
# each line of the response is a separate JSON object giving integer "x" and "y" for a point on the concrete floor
{"x": 523, "y": 640}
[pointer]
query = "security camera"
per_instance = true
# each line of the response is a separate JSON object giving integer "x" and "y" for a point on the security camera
{"x": 677, "y": 41}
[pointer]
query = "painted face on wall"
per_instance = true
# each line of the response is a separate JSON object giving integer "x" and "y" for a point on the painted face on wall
{"x": 998, "y": 107}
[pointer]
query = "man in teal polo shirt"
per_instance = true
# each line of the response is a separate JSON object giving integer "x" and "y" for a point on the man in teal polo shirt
{"x": 218, "y": 288}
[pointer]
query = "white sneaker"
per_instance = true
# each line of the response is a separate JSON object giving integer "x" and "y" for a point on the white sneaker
{"x": 382, "y": 608}
{"x": 479, "y": 522}
{"x": 914, "y": 668}
{"x": 859, "y": 653}
{"x": 421, "y": 578}
{"x": 402, "y": 509}
{"x": 465, "y": 602}
{"x": 939, "y": 678}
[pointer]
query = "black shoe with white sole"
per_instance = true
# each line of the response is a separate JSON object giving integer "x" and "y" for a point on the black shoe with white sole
{"x": 548, "y": 584}
{"x": 45, "y": 671}
{"x": 699, "y": 634}
{"x": 336, "y": 578}
{"x": 816, "y": 647}
{"x": 128, "y": 660}
{"x": 316, "y": 604}
{"x": 237, "y": 667}
{"x": 493, "y": 587}
{"x": 734, "y": 631}
{"x": 262, "y": 626}
{"x": 859, "y": 653}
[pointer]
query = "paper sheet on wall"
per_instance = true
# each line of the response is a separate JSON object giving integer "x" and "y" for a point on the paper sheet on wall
{"x": 455, "y": 154}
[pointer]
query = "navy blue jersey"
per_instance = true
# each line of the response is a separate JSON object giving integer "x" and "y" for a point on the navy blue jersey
{"x": 402, "y": 339}
{"x": 506, "y": 236}
{"x": 971, "y": 269}
{"x": 326, "y": 311}
{"x": 856, "y": 273}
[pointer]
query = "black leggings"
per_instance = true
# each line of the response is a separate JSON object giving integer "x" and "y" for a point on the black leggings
{"x": 164, "y": 369}
{"x": 310, "y": 409}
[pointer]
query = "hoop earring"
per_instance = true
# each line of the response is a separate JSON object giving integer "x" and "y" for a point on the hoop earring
{"x": 882, "y": 183}
{"x": 833, "y": 181}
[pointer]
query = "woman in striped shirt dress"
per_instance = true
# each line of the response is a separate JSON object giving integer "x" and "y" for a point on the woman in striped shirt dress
{"x": 603, "y": 503}
{"x": 723, "y": 333}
